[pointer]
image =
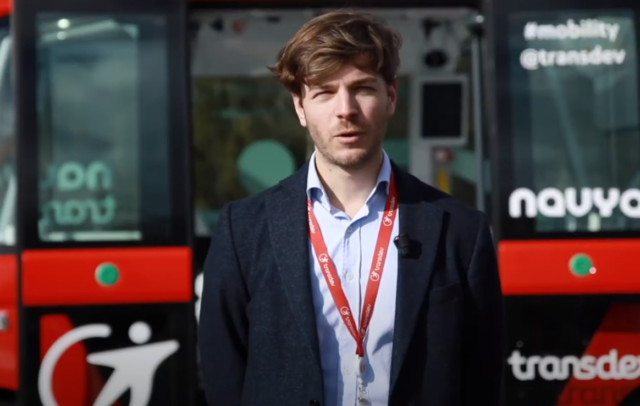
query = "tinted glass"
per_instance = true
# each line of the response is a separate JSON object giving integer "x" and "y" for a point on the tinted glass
{"x": 441, "y": 113}
{"x": 7, "y": 178}
{"x": 247, "y": 136}
{"x": 104, "y": 128}
{"x": 575, "y": 135}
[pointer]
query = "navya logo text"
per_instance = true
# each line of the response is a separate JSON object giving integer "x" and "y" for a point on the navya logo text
{"x": 551, "y": 202}
{"x": 133, "y": 367}
{"x": 550, "y": 368}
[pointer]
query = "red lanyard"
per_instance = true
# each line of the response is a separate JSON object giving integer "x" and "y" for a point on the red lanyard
{"x": 375, "y": 275}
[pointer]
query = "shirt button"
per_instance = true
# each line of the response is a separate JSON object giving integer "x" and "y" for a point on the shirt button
{"x": 362, "y": 368}
{"x": 349, "y": 276}
{"x": 347, "y": 371}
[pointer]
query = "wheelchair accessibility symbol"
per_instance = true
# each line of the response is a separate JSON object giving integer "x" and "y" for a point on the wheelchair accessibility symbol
{"x": 133, "y": 367}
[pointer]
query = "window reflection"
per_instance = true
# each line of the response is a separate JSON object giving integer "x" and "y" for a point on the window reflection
{"x": 247, "y": 136}
{"x": 88, "y": 129}
{"x": 230, "y": 116}
{"x": 575, "y": 117}
{"x": 7, "y": 178}
{"x": 103, "y": 127}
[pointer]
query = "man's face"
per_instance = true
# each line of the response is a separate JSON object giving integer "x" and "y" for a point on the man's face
{"x": 347, "y": 115}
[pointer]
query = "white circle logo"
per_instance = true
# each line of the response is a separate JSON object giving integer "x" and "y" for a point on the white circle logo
{"x": 139, "y": 332}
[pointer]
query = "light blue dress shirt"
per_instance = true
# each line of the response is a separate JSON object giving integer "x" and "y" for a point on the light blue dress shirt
{"x": 351, "y": 243}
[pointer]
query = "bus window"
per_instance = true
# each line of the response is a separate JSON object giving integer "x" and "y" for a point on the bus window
{"x": 575, "y": 125}
{"x": 246, "y": 133}
{"x": 101, "y": 87}
{"x": 7, "y": 179}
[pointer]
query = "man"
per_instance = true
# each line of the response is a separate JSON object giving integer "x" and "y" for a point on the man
{"x": 295, "y": 275}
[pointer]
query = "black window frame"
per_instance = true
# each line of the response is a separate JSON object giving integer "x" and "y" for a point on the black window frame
{"x": 179, "y": 129}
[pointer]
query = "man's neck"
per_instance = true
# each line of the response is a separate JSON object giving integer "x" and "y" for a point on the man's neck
{"x": 348, "y": 190}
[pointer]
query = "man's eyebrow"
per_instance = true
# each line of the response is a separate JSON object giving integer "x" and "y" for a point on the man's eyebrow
{"x": 364, "y": 81}
{"x": 357, "y": 82}
{"x": 321, "y": 86}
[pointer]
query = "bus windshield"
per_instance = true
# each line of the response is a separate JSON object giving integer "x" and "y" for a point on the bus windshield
{"x": 7, "y": 180}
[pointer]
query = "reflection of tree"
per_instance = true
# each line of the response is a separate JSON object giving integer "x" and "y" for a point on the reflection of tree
{"x": 230, "y": 113}
{"x": 72, "y": 125}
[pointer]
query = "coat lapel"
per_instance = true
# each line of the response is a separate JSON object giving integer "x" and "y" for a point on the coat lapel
{"x": 287, "y": 207}
{"x": 422, "y": 222}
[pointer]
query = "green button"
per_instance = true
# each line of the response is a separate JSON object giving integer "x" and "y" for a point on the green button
{"x": 581, "y": 264}
{"x": 107, "y": 274}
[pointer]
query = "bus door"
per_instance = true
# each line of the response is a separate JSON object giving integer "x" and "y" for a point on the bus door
{"x": 566, "y": 159}
{"x": 104, "y": 225}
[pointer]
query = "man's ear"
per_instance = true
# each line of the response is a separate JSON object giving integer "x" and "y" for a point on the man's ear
{"x": 392, "y": 93}
{"x": 297, "y": 104}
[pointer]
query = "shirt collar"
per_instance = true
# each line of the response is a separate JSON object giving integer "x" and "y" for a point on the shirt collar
{"x": 315, "y": 189}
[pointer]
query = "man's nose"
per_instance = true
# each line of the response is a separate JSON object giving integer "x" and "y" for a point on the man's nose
{"x": 347, "y": 105}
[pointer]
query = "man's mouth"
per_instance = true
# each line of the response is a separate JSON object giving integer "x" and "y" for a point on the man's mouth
{"x": 349, "y": 137}
{"x": 348, "y": 134}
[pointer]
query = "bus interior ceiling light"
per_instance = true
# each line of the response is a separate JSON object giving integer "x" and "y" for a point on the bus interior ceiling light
{"x": 63, "y": 23}
{"x": 93, "y": 28}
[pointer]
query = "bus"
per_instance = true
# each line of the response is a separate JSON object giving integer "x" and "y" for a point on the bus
{"x": 524, "y": 109}
{"x": 93, "y": 89}
{"x": 564, "y": 132}
{"x": 97, "y": 241}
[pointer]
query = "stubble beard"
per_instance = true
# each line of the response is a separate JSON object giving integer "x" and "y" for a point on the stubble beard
{"x": 353, "y": 161}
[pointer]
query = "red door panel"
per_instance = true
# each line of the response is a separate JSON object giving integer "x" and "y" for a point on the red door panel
{"x": 9, "y": 310}
{"x": 107, "y": 276}
{"x": 570, "y": 267}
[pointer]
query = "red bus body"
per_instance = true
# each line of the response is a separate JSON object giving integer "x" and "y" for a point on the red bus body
{"x": 5, "y": 7}
{"x": 531, "y": 267}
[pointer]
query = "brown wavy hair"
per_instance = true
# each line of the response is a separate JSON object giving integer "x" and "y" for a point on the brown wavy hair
{"x": 330, "y": 41}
